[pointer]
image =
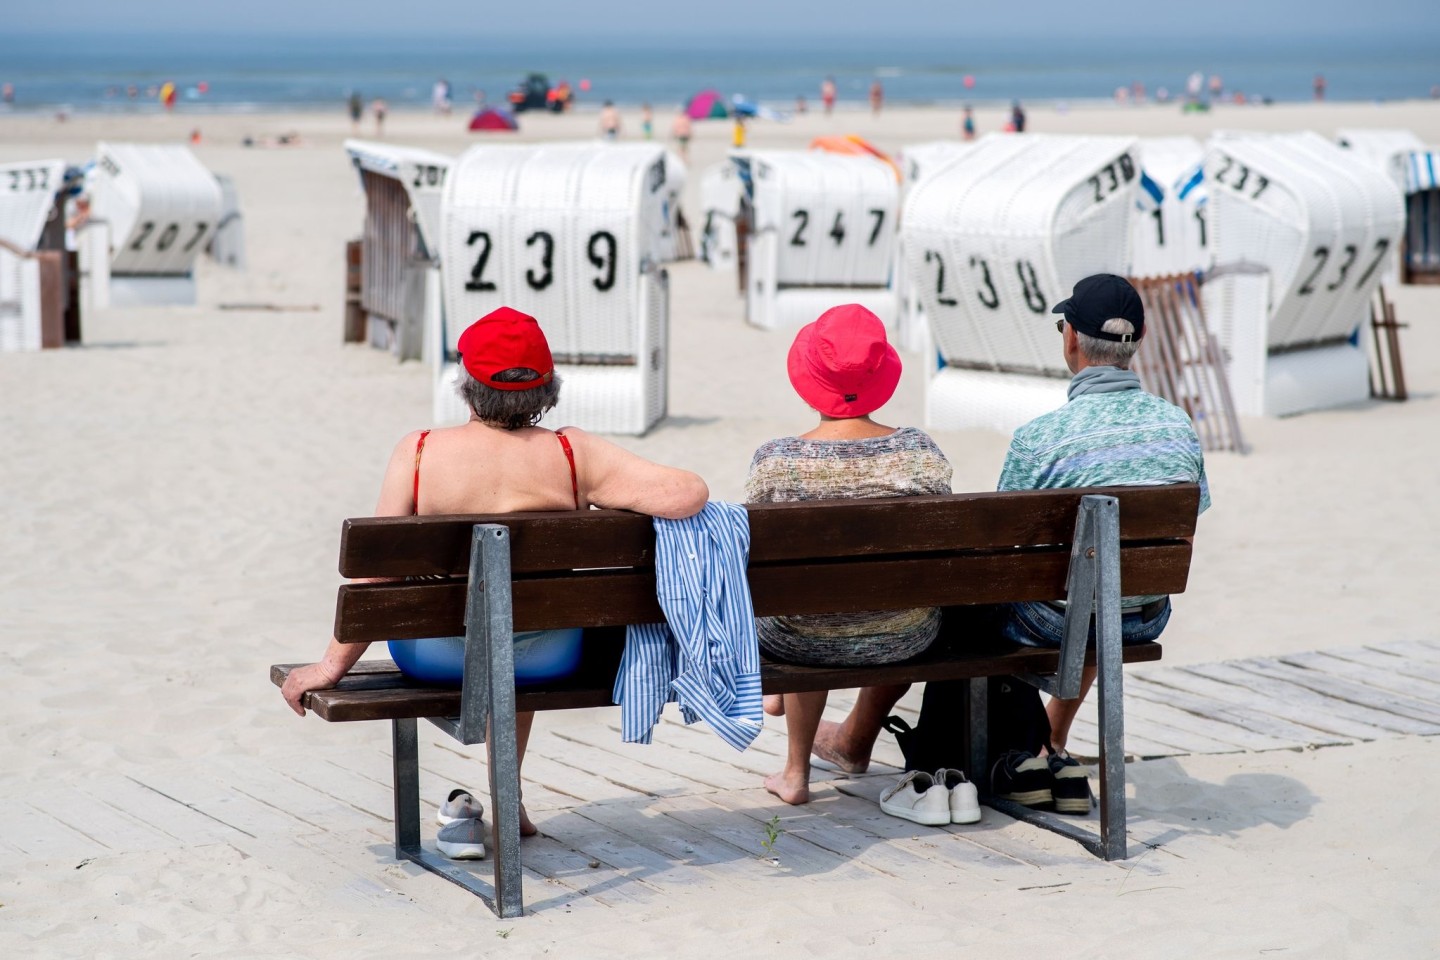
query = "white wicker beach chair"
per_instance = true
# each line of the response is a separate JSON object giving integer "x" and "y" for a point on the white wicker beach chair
{"x": 992, "y": 241}
{"x": 720, "y": 193}
{"x": 1168, "y": 229}
{"x": 918, "y": 161}
{"x": 1421, "y": 169}
{"x": 27, "y": 199}
{"x": 573, "y": 234}
{"x": 1322, "y": 223}
{"x": 160, "y": 207}
{"x": 823, "y": 233}
{"x": 400, "y": 258}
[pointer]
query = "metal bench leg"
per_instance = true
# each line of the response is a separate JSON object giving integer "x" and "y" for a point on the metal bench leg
{"x": 1093, "y": 586}
{"x": 1110, "y": 658}
{"x": 407, "y": 786}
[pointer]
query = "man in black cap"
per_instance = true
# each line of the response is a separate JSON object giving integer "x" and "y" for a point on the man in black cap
{"x": 1110, "y": 432}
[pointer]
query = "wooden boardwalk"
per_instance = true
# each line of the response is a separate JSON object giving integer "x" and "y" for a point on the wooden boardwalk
{"x": 620, "y": 823}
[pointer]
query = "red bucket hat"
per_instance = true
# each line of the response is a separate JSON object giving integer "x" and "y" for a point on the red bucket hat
{"x": 503, "y": 340}
{"x": 842, "y": 365}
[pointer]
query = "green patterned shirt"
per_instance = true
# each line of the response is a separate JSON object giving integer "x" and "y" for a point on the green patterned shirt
{"x": 1119, "y": 438}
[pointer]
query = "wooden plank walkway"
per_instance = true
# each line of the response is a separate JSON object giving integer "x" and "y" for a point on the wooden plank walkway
{"x": 622, "y": 822}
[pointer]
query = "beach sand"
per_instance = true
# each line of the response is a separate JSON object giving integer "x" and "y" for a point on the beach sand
{"x": 175, "y": 490}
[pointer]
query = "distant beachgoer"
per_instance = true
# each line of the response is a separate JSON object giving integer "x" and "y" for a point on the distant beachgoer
{"x": 167, "y": 95}
{"x": 1137, "y": 92}
{"x": 737, "y": 133}
{"x": 967, "y": 125}
{"x": 195, "y": 136}
{"x": 440, "y": 97}
{"x": 357, "y": 108}
{"x": 7, "y": 93}
{"x": 1319, "y": 86}
{"x": 827, "y": 95}
{"x": 1217, "y": 86}
{"x": 378, "y": 107}
{"x": 877, "y": 97}
{"x": 132, "y": 91}
{"x": 680, "y": 129}
{"x": 1195, "y": 85}
{"x": 79, "y": 216}
{"x": 647, "y": 122}
{"x": 800, "y": 105}
{"x": 609, "y": 121}
{"x": 1017, "y": 117}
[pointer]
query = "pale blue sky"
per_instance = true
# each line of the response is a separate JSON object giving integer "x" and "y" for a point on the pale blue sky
{"x": 571, "y": 18}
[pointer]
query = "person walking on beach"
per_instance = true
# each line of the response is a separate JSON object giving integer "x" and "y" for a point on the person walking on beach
{"x": 877, "y": 96}
{"x": 377, "y": 107}
{"x": 1109, "y": 433}
{"x": 609, "y": 121}
{"x": 737, "y": 132}
{"x": 680, "y": 129}
{"x": 1017, "y": 117}
{"x": 357, "y": 109}
{"x": 647, "y": 122}
{"x": 967, "y": 124}
{"x": 827, "y": 95}
{"x": 1319, "y": 86}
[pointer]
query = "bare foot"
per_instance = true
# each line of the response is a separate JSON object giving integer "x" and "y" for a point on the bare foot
{"x": 774, "y": 704}
{"x": 527, "y": 828}
{"x": 795, "y": 790}
{"x": 827, "y": 748}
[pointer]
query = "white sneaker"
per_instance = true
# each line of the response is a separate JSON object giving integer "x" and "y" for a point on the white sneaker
{"x": 462, "y": 840}
{"x": 918, "y": 798}
{"x": 460, "y": 805}
{"x": 964, "y": 799}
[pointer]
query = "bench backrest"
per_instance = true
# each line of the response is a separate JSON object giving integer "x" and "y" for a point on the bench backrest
{"x": 596, "y": 568}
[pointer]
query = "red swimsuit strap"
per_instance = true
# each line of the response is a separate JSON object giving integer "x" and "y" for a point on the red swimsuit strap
{"x": 570, "y": 455}
{"x": 419, "y": 448}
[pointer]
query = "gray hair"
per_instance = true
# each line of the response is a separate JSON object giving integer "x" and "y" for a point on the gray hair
{"x": 510, "y": 409}
{"x": 1109, "y": 353}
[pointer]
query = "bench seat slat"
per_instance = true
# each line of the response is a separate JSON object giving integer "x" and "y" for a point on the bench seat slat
{"x": 376, "y": 690}
{"x": 424, "y": 546}
{"x": 369, "y": 612}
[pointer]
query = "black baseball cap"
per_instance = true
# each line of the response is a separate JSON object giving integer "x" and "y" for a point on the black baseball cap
{"x": 1100, "y": 298}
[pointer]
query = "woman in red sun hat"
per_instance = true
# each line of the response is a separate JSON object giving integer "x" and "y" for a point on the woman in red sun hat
{"x": 501, "y": 462}
{"x": 843, "y": 367}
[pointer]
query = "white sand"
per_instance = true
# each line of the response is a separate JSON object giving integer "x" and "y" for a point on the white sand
{"x": 175, "y": 488}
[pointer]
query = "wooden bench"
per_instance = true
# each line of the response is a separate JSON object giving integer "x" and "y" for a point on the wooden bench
{"x": 596, "y": 569}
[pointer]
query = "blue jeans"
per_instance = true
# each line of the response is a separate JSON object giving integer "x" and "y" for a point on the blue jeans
{"x": 1034, "y": 624}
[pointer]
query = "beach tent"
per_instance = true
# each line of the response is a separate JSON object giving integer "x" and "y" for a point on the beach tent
{"x": 492, "y": 119}
{"x": 160, "y": 207}
{"x": 854, "y": 146}
{"x": 821, "y": 231}
{"x": 400, "y": 246}
{"x": 573, "y": 234}
{"x": 1317, "y": 222}
{"x": 27, "y": 200}
{"x": 707, "y": 105}
{"x": 991, "y": 241}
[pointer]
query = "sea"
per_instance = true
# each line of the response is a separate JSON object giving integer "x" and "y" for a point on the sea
{"x": 83, "y": 73}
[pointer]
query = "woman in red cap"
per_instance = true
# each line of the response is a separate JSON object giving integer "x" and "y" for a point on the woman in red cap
{"x": 501, "y": 462}
{"x": 843, "y": 367}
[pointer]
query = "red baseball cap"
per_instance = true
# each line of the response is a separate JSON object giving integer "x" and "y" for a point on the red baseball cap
{"x": 842, "y": 365}
{"x": 503, "y": 340}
